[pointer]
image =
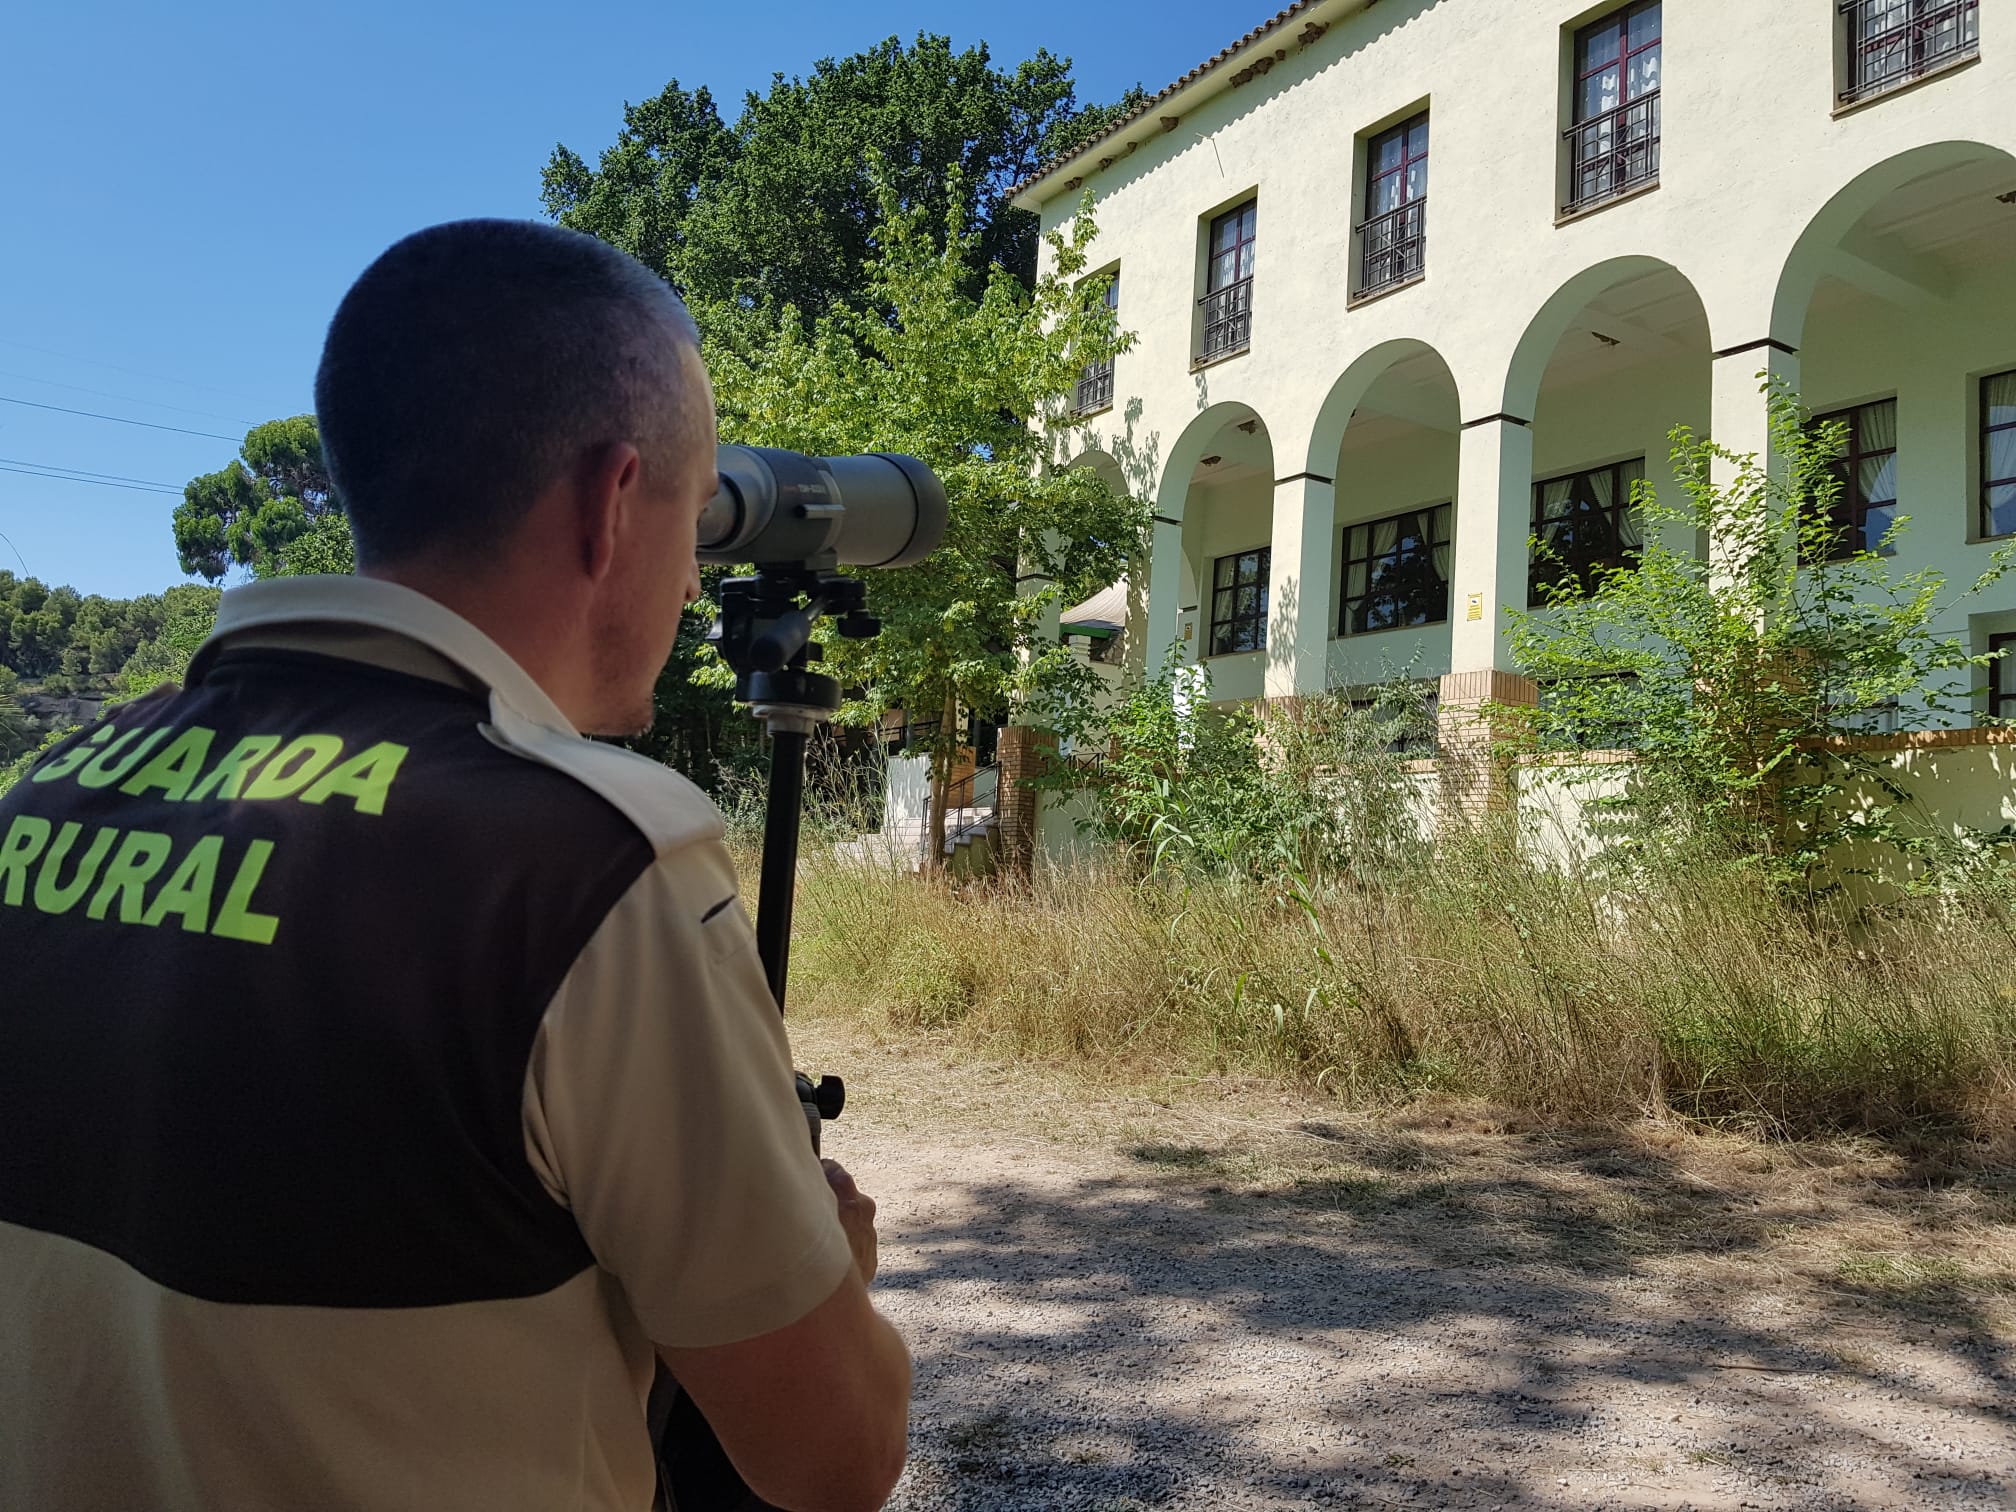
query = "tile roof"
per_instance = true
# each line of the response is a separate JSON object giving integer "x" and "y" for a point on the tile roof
{"x": 1273, "y": 23}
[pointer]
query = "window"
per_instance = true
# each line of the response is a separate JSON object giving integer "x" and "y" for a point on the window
{"x": 1866, "y": 506}
{"x": 1239, "y": 602}
{"x": 1228, "y": 284}
{"x": 1892, "y": 42}
{"x": 1095, "y": 384}
{"x": 2002, "y": 677}
{"x": 1393, "y": 239}
{"x": 1998, "y": 455}
{"x": 1585, "y": 526}
{"x": 1396, "y": 572}
{"x": 1613, "y": 147}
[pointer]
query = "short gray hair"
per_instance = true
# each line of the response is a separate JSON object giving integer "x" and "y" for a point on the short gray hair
{"x": 473, "y": 363}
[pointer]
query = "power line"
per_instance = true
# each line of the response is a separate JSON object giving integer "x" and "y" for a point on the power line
{"x": 83, "y": 472}
{"x": 118, "y": 419}
{"x": 113, "y": 367}
{"x": 94, "y": 482}
{"x": 17, "y": 555}
{"x": 79, "y": 388}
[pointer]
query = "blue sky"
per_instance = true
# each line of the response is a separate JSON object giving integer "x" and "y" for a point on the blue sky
{"x": 188, "y": 190}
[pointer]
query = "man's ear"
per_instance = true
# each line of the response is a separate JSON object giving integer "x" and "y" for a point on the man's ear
{"x": 609, "y": 479}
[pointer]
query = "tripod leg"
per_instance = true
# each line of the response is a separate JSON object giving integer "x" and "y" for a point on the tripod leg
{"x": 780, "y": 857}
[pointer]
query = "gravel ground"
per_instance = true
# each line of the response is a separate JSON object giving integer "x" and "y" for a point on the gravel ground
{"x": 1232, "y": 1299}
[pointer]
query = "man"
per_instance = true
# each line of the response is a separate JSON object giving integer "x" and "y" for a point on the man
{"x": 387, "y": 1077}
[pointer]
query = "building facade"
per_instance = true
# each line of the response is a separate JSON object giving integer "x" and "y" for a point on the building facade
{"x": 1414, "y": 281}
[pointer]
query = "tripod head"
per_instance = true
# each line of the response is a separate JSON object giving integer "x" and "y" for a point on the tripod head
{"x": 765, "y": 634}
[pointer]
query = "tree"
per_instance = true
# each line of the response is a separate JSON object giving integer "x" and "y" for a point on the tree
{"x": 16, "y": 734}
{"x": 187, "y": 614}
{"x": 781, "y": 209}
{"x": 250, "y": 512}
{"x": 978, "y": 386}
{"x": 1727, "y": 673}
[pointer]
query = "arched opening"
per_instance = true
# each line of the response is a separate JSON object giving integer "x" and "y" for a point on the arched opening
{"x": 1900, "y": 298}
{"x": 1217, "y": 495}
{"x": 1096, "y": 630}
{"x": 1615, "y": 360}
{"x": 1388, "y": 434}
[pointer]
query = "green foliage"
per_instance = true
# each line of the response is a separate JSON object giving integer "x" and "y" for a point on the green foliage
{"x": 188, "y": 612}
{"x": 325, "y": 546}
{"x": 252, "y": 511}
{"x": 781, "y": 208}
{"x": 1726, "y": 673}
{"x": 60, "y": 639}
{"x": 977, "y": 386}
{"x": 1315, "y": 788}
{"x": 16, "y": 734}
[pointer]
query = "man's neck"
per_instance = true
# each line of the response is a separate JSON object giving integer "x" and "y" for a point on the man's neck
{"x": 532, "y": 628}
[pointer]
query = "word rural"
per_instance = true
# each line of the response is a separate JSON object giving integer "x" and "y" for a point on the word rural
{"x": 204, "y": 885}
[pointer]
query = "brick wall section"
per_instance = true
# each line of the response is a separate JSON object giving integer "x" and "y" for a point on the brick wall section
{"x": 1476, "y": 777}
{"x": 1024, "y": 752}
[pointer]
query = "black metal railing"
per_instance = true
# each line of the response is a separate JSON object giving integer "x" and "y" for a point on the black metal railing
{"x": 1228, "y": 320}
{"x": 1613, "y": 153}
{"x": 1892, "y": 42}
{"x": 981, "y": 808}
{"x": 1095, "y": 388}
{"x": 1393, "y": 247}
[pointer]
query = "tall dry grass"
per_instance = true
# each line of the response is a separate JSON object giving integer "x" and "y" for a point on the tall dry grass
{"x": 1480, "y": 977}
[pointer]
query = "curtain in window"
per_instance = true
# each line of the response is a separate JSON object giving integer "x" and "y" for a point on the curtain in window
{"x": 1445, "y": 548}
{"x": 1385, "y": 536}
{"x": 2001, "y": 465}
{"x": 1556, "y": 506}
{"x": 1356, "y": 582}
{"x": 1630, "y": 529}
{"x": 2000, "y": 400}
{"x": 1877, "y": 428}
{"x": 1876, "y": 425}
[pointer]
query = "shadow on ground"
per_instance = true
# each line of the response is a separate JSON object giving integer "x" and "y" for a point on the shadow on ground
{"x": 1397, "y": 1319}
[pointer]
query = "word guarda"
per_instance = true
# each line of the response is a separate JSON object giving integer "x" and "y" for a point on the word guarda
{"x": 179, "y": 766}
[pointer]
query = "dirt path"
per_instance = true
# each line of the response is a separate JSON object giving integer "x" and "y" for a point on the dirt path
{"x": 1221, "y": 1297}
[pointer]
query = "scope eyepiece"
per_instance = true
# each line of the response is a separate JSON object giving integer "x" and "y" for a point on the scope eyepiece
{"x": 782, "y": 508}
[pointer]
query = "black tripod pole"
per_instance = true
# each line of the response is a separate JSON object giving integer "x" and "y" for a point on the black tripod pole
{"x": 779, "y": 884}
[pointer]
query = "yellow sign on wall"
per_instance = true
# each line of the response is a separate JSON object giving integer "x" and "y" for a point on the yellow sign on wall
{"x": 1476, "y": 609}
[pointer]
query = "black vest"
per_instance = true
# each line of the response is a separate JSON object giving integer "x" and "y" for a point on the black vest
{"x": 275, "y": 949}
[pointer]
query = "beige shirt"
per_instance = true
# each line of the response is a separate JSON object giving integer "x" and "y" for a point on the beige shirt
{"x": 657, "y": 1108}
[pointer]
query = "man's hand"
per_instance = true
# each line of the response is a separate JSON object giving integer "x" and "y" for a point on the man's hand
{"x": 815, "y": 1416}
{"x": 857, "y": 1217}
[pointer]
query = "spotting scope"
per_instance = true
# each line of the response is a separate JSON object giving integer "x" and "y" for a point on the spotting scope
{"x": 780, "y": 508}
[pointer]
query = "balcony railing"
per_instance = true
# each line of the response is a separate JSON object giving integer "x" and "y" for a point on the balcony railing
{"x": 1392, "y": 247}
{"x": 1892, "y": 42}
{"x": 1228, "y": 320}
{"x": 1613, "y": 153}
{"x": 1095, "y": 389}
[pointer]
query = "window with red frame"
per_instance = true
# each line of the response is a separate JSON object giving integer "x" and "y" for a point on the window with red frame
{"x": 1396, "y": 201}
{"x": 1866, "y": 507}
{"x": 1613, "y": 147}
{"x": 1998, "y": 455}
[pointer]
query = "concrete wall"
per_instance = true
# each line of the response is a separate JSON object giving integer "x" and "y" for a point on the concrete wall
{"x": 1958, "y": 784}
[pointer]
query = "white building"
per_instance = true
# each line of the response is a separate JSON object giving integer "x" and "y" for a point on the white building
{"x": 1352, "y": 401}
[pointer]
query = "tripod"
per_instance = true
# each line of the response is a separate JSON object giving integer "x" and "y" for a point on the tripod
{"x": 765, "y": 634}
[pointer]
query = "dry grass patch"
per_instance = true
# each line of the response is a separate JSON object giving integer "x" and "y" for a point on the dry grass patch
{"x": 1482, "y": 979}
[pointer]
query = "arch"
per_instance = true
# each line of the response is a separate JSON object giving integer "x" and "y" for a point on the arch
{"x": 1349, "y": 391}
{"x": 1173, "y": 489}
{"x": 1807, "y": 261}
{"x": 1543, "y": 333}
{"x": 1102, "y": 462}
